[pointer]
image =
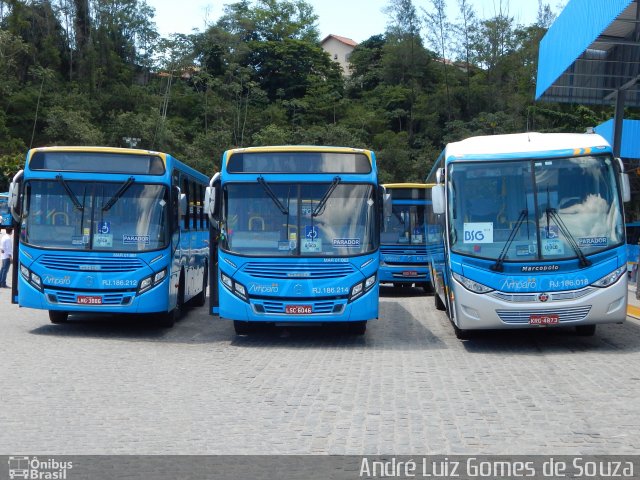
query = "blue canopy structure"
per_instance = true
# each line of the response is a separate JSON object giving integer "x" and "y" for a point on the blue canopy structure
{"x": 591, "y": 55}
{"x": 630, "y": 148}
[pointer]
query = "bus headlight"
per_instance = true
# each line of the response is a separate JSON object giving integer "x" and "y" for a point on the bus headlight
{"x": 235, "y": 287}
{"x": 472, "y": 285}
{"x": 611, "y": 278}
{"x": 151, "y": 281}
{"x": 362, "y": 287}
{"x": 369, "y": 282}
{"x": 226, "y": 281}
{"x": 31, "y": 277}
{"x": 356, "y": 290}
{"x": 25, "y": 272}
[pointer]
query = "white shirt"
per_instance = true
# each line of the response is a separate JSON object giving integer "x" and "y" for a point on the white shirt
{"x": 6, "y": 244}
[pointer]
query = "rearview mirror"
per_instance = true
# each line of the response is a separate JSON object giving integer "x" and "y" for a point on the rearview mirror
{"x": 437, "y": 199}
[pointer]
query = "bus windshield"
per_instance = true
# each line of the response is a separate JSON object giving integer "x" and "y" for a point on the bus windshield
{"x": 5, "y": 213}
{"x": 296, "y": 219}
{"x": 406, "y": 225}
{"x": 545, "y": 210}
{"x": 102, "y": 216}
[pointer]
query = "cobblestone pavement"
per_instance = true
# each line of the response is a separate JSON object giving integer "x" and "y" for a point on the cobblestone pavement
{"x": 123, "y": 386}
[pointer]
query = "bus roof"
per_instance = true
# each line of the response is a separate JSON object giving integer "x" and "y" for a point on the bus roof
{"x": 131, "y": 151}
{"x": 296, "y": 148}
{"x": 528, "y": 143}
{"x": 408, "y": 185}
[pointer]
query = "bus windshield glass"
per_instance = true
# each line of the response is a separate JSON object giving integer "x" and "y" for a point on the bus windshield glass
{"x": 545, "y": 210}
{"x": 101, "y": 216}
{"x": 294, "y": 219}
{"x": 406, "y": 225}
{"x": 5, "y": 213}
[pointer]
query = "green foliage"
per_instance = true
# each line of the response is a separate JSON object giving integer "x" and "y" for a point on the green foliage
{"x": 96, "y": 72}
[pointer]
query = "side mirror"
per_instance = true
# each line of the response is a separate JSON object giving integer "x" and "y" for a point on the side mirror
{"x": 440, "y": 176}
{"x": 14, "y": 195}
{"x": 624, "y": 182}
{"x": 182, "y": 204}
{"x": 386, "y": 205}
{"x": 211, "y": 200}
{"x": 437, "y": 199}
{"x": 626, "y": 187}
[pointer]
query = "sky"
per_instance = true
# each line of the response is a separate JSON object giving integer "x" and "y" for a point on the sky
{"x": 355, "y": 19}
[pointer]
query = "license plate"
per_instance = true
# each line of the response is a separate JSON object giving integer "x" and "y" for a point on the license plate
{"x": 89, "y": 300}
{"x": 298, "y": 309}
{"x": 409, "y": 273}
{"x": 544, "y": 319}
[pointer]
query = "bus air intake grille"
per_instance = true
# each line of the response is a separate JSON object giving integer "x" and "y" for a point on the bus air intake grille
{"x": 299, "y": 271}
{"x": 109, "y": 299}
{"x": 533, "y": 297}
{"x": 86, "y": 264}
{"x": 565, "y": 315}
{"x": 403, "y": 250}
{"x": 276, "y": 307}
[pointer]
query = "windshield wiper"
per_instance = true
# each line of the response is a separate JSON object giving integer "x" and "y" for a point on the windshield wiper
{"x": 272, "y": 196}
{"x": 125, "y": 186}
{"x": 584, "y": 261}
{"x": 323, "y": 200}
{"x": 498, "y": 266}
{"x": 72, "y": 196}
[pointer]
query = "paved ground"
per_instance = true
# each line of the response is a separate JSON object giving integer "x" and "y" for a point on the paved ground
{"x": 407, "y": 387}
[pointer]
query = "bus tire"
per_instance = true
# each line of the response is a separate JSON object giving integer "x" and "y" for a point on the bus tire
{"x": 242, "y": 328}
{"x": 439, "y": 304}
{"x": 462, "y": 334}
{"x": 56, "y": 316}
{"x": 586, "y": 330}
{"x": 167, "y": 319}
{"x": 358, "y": 328}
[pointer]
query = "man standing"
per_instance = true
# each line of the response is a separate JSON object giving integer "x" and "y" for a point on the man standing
{"x": 6, "y": 251}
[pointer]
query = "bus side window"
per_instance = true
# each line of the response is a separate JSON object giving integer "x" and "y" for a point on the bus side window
{"x": 185, "y": 190}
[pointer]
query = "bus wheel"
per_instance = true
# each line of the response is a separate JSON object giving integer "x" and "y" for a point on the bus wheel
{"x": 241, "y": 328}
{"x": 438, "y": 302}
{"x": 462, "y": 334}
{"x": 358, "y": 328}
{"x": 168, "y": 319}
{"x": 56, "y": 316}
{"x": 586, "y": 330}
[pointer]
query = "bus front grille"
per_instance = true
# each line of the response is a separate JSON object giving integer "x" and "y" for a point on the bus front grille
{"x": 403, "y": 250}
{"x": 277, "y": 307}
{"x": 71, "y": 263}
{"x": 565, "y": 315}
{"x": 107, "y": 299}
{"x": 299, "y": 271}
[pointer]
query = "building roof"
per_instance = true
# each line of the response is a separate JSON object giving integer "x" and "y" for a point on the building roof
{"x": 590, "y": 52}
{"x": 345, "y": 40}
{"x": 630, "y": 147}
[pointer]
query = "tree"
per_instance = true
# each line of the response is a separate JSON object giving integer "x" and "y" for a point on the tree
{"x": 438, "y": 29}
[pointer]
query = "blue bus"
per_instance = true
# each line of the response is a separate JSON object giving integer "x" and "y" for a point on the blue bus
{"x": 109, "y": 230}
{"x": 633, "y": 248}
{"x": 534, "y": 232}
{"x": 5, "y": 214}
{"x": 297, "y": 231}
{"x": 403, "y": 236}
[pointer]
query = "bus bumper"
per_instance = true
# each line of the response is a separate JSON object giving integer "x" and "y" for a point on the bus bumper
{"x": 590, "y": 306}
{"x": 404, "y": 274}
{"x": 112, "y": 302}
{"x": 323, "y": 310}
